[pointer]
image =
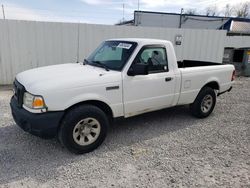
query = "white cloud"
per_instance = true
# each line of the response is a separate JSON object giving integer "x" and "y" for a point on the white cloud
{"x": 164, "y": 5}
{"x": 175, "y": 6}
{"x": 153, "y": 4}
{"x": 13, "y": 11}
{"x": 105, "y": 2}
{"x": 189, "y": 3}
{"x": 110, "y": 10}
{"x": 219, "y": 3}
{"x": 93, "y": 2}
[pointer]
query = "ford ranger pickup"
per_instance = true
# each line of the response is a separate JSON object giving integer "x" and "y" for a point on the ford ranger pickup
{"x": 77, "y": 102}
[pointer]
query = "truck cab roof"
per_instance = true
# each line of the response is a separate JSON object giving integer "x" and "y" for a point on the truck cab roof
{"x": 142, "y": 41}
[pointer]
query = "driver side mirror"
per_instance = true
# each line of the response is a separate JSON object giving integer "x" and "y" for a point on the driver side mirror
{"x": 138, "y": 69}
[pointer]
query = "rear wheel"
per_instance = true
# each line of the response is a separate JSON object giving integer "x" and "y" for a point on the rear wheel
{"x": 83, "y": 129}
{"x": 204, "y": 103}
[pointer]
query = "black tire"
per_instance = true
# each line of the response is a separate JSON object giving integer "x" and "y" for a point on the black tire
{"x": 72, "y": 119}
{"x": 196, "y": 107}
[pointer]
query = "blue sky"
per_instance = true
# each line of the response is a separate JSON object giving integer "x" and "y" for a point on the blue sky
{"x": 98, "y": 11}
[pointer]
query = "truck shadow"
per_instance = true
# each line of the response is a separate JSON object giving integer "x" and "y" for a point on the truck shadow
{"x": 149, "y": 125}
{"x": 39, "y": 159}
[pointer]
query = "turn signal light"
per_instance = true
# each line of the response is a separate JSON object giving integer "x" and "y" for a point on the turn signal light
{"x": 38, "y": 103}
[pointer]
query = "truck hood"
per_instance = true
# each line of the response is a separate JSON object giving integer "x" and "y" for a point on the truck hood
{"x": 65, "y": 76}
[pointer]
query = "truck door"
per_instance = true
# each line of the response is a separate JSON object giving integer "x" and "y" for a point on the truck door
{"x": 144, "y": 93}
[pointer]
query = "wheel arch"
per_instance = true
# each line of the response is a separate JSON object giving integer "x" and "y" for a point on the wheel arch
{"x": 100, "y": 104}
{"x": 212, "y": 84}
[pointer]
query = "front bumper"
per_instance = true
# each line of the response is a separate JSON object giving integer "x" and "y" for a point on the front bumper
{"x": 44, "y": 125}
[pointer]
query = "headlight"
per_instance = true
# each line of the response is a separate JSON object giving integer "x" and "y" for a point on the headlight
{"x": 33, "y": 101}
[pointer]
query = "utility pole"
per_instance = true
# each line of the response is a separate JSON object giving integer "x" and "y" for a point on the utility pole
{"x": 3, "y": 12}
{"x": 78, "y": 42}
{"x": 138, "y": 5}
{"x": 181, "y": 17}
{"x": 123, "y": 18}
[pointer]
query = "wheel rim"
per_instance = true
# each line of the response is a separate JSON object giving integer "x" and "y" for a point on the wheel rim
{"x": 86, "y": 131}
{"x": 206, "y": 103}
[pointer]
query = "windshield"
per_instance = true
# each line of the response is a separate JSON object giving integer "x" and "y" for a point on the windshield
{"x": 112, "y": 54}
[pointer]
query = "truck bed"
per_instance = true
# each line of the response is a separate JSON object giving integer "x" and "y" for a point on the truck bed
{"x": 195, "y": 74}
{"x": 193, "y": 63}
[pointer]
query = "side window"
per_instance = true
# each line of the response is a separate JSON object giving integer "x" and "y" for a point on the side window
{"x": 154, "y": 57}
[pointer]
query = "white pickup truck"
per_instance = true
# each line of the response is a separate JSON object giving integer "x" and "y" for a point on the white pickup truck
{"x": 121, "y": 78}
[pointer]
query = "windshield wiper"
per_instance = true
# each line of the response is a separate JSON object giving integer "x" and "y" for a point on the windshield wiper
{"x": 99, "y": 64}
{"x": 86, "y": 62}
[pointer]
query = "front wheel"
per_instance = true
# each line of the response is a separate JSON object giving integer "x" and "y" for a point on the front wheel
{"x": 204, "y": 103}
{"x": 83, "y": 129}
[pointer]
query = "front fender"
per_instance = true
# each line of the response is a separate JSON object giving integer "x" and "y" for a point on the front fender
{"x": 62, "y": 100}
{"x": 86, "y": 97}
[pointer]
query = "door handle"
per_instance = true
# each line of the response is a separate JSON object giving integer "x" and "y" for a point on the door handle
{"x": 168, "y": 79}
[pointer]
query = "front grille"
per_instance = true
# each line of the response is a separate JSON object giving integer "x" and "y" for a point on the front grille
{"x": 18, "y": 92}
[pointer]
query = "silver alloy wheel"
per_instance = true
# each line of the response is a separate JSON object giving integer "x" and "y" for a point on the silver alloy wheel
{"x": 86, "y": 131}
{"x": 206, "y": 103}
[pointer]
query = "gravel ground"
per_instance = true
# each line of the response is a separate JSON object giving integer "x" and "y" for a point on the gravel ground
{"x": 167, "y": 148}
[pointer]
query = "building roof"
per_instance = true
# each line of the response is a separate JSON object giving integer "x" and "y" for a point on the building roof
{"x": 231, "y": 24}
{"x": 240, "y": 27}
{"x": 169, "y": 13}
{"x": 129, "y": 22}
{"x": 223, "y": 17}
{"x": 237, "y": 25}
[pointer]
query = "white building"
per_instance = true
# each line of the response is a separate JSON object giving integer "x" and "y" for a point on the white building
{"x": 235, "y": 26}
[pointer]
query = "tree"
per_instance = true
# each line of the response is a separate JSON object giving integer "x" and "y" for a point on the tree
{"x": 212, "y": 11}
{"x": 242, "y": 10}
{"x": 228, "y": 10}
{"x": 191, "y": 11}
